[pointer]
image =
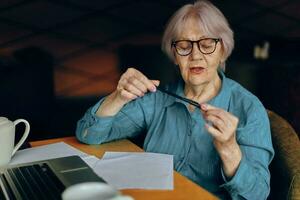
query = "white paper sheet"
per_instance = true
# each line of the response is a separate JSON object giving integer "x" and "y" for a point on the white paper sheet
{"x": 45, "y": 152}
{"x": 90, "y": 160}
{"x": 125, "y": 170}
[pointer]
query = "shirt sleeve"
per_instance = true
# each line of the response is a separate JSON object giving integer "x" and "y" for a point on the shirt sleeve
{"x": 252, "y": 178}
{"x": 128, "y": 122}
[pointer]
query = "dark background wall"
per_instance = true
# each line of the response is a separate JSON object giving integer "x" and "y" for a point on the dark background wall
{"x": 58, "y": 57}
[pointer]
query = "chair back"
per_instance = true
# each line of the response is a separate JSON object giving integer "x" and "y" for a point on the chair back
{"x": 285, "y": 167}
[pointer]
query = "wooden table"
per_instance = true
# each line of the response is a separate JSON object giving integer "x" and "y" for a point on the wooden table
{"x": 183, "y": 188}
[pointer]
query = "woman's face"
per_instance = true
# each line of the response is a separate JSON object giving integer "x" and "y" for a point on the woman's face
{"x": 197, "y": 69}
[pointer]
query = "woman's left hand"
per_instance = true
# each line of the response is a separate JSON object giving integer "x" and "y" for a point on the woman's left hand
{"x": 222, "y": 126}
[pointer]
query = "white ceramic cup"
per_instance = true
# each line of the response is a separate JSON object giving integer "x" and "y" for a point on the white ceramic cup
{"x": 92, "y": 191}
{"x": 7, "y": 139}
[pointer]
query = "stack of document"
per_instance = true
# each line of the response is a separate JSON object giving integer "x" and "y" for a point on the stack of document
{"x": 123, "y": 170}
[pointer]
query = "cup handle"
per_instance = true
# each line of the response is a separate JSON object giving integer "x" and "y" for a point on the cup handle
{"x": 25, "y": 134}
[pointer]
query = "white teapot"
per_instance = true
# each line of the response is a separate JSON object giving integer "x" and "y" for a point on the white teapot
{"x": 7, "y": 139}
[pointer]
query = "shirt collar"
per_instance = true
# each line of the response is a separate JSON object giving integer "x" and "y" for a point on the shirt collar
{"x": 177, "y": 88}
{"x": 221, "y": 100}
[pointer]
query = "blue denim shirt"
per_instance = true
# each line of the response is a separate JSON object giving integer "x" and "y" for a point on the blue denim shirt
{"x": 173, "y": 129}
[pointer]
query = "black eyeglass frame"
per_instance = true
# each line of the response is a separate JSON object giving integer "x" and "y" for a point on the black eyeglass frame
{"x": 198, "y": 45}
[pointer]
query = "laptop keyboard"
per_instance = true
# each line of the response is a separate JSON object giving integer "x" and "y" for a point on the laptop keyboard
{"x": 33, "y": 182}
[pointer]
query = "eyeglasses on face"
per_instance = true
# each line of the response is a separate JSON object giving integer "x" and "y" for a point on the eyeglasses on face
{"x": 205, "y": 45}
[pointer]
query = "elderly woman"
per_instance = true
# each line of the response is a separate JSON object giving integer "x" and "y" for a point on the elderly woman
{"x": 224, "y": 145}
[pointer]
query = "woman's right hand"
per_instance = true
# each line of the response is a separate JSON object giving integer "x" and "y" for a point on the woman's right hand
{"x": 134, "y": 84}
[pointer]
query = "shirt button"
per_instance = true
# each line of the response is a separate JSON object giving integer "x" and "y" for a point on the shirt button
{"x": 181, "y": 159}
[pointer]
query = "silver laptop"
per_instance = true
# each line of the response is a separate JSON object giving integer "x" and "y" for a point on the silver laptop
{"x": 44, "y": 179}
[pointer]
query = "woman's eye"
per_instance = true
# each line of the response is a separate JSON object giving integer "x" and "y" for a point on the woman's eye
{"x": 206, "y": 46}
{"x": 206, "y": 43}
{"x": 184, "y": 46}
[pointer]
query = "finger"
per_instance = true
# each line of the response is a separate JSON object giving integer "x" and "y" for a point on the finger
{"x": 206, "y": 107}
{"x": 138, "y": 84}
{"x": 156, "y": 82}
{"x": 129, "y": 78}
{"x": 217, "y": 113}
{"x": 220, "y": 112}
{"x": 122, "y": 81}
{"x": 213, "y": 131}
{"x": 127, "y": 95}
{"x": 217, "y": 123}
{"x": 229, "y": 119}
{"x": 148, "y": 83}
{"x": 133, "y": 89}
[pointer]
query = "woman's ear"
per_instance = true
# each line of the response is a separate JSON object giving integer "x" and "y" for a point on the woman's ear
{"x": 174, "y": 57}
{"x": 222, "y": 60}
{"x": 175, "y": 61}
{"x": 222, "y": 63}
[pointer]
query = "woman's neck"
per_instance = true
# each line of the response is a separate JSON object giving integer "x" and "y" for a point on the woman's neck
{"x": 205, "y": 92}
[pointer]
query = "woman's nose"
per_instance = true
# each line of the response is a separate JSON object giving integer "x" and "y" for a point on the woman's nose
{"x": 196, "y": 53}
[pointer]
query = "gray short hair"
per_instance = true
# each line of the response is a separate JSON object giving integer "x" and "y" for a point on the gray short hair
{"x": 211, "y": 20}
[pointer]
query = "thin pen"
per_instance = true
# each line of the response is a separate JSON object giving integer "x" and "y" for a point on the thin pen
{"x": 194, "y": 103}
